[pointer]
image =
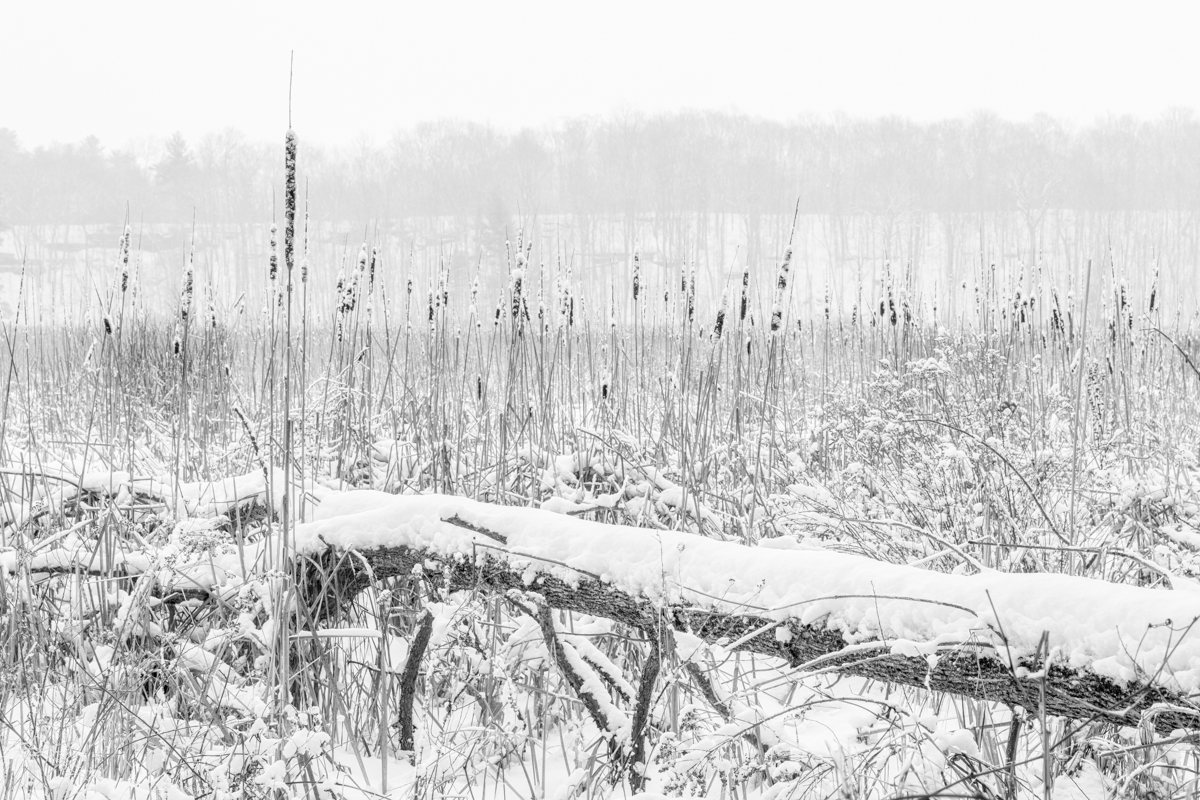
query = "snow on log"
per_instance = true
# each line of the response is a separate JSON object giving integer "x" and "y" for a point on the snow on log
{"x": 1097, "y": 650}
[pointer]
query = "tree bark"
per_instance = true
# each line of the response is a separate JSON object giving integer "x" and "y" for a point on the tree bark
{"x": 408, "y": 680}
{"x": 968, "y": 669}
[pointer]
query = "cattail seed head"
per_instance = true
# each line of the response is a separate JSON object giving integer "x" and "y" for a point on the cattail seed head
{"x": 637, "y": 275}
{"x": 781, "y": 282}
{"x": 185, "y": 295}
{"x": 516, "y": 283}
{"x": 784, "y": 267}
{"x": 125, "y": 260}
{"x": 719, "y": 325}
{"x": 289, "y": 200}
{"x": 274, "y": 261}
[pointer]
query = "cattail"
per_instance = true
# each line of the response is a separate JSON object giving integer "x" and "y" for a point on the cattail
{"x": 185, "y": 302}
{"x": 516, "y": 281}
{"x": 274, "y": 272}
{"x": 441, "y": 297}
{"x": 719, "y": 325}
{"x": 566, "y": 302}
{"x": 637, "y": 275}
{"x": 185, "y": 296}
{"x": 781, "y": 282}
{"x": 347, "y": 285}
{"x": 343, "y": 301}
{"x": 125, "y": 260}
{"x": 289, "y": 200}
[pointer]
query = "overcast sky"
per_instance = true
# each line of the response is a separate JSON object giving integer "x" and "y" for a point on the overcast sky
{"x": 124, "y": 70}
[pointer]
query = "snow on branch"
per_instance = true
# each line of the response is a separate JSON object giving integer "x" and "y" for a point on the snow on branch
{"x": 1098, "y": 650}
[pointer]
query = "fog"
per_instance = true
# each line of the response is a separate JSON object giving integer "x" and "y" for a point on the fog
{"x": 711, "y": 191}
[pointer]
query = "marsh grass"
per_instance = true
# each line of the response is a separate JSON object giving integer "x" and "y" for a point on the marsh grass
{"x": 1034, "y": 431}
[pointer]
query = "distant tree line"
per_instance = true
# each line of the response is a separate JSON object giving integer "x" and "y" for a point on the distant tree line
{"x": 627, "y": 164}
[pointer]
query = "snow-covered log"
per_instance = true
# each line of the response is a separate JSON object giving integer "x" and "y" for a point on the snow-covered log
{"x": 1077, "y": 647}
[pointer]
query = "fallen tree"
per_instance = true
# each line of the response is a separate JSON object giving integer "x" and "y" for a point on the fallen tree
{"x": 1073, "y": 647}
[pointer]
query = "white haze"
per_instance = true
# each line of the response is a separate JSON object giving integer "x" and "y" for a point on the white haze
{"x": 127, "y": 70}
